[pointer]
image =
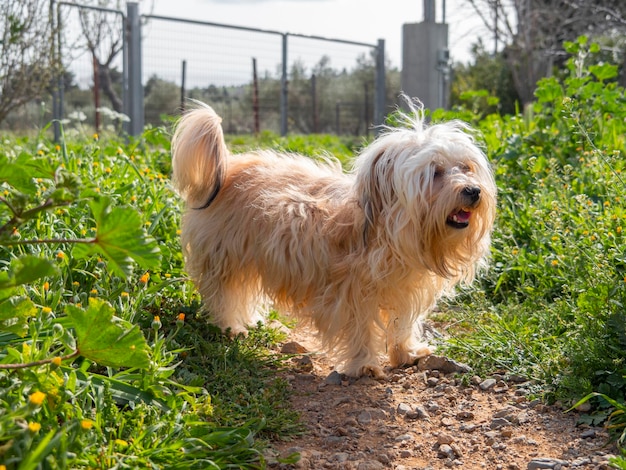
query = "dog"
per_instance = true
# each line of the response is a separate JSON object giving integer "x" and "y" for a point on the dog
{"x": 362, "y": 254}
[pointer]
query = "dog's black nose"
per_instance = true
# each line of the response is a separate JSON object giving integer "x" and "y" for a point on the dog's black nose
{"x": 472, "y": 193}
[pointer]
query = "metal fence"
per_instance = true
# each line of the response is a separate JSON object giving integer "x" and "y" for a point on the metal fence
{"x": 256, "y": 79}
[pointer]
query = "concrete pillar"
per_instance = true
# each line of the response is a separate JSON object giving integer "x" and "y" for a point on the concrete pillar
{"x": 425, "y": 63}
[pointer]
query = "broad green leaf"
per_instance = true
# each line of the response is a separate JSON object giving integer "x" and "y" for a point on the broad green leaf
{"x": 604, "y": 71}
{"x": 120, "y": 238}
{"x": 102, "y": 340}
{"x": 27, "y": 269}
{"x": 14, "y": 315}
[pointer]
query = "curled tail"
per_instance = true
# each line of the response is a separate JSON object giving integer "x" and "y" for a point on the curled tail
{"x": 199, "y": 156}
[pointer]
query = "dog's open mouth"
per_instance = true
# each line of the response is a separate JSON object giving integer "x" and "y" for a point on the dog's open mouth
{"x": 459, "y": 218}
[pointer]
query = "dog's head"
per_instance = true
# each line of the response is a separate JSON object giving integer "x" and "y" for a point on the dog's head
{"x": 430, "y": 193}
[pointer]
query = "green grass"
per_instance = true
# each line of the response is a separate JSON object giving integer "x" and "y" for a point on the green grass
{"x": 104, "y": 361}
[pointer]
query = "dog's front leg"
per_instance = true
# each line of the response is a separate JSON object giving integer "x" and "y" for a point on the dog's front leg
{"x": 403, "y": 343}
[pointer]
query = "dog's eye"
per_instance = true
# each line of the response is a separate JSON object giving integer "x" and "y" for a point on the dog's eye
{"x": 439, "y": 172}
{"x": 465, "y": 168}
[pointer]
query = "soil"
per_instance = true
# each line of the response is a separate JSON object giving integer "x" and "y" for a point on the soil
{"x": 421, "y": 417}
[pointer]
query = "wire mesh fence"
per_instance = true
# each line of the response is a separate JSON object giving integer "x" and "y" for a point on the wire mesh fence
{"x": 256, "y": 79}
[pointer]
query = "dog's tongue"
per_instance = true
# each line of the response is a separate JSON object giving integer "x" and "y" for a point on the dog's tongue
{"x": 462, "y": 216}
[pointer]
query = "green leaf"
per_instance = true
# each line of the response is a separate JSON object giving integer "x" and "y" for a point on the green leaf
{"x": 120, "y": 238}
{"x": 14, "y": 315}
{"x": 102, "y": 340}
{"x": 604, "y": 71}
{"x": 25, "y": 270}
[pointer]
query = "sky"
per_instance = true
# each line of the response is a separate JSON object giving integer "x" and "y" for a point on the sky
{"x": 354, "y": 20}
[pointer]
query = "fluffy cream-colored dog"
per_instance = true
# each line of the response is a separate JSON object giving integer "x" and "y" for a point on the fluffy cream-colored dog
{"x": 363, "y": 255}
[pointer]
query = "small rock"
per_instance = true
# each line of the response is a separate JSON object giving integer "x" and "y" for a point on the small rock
{"x": 432, "y": 381}
{"x": 442, "y": 364}
{"x": 370, "y": 465}
{"x": 421, "y": 412}
{"x": 403, "y": 437}
{"x": 364, "y": 417}
{"x": 446, "y": 452}
{"x": 403, "y": 409}
{"x": 498, "y": 423}
{"x": 304, "y": 363}
{"x": 539, "y": 463}
{"x": 444, "y": 438}
{"x": 587, "y": 434}
{"x": 584, "y": 407}
{"x": 487, "y": 384}
{"x": 293, "y": 348}
{"x": 334, "y": 378}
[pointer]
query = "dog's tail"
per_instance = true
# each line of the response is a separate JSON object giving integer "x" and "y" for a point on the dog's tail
{"x": 199, "y": 156}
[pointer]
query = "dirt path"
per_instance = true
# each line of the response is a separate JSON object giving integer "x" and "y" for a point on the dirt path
{"x": 424, "y": 419}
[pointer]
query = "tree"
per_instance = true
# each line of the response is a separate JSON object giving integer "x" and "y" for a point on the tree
{"x": 27, "y": 61}
{"x": 104, "y": 36}
{"x": 533, "y": 32}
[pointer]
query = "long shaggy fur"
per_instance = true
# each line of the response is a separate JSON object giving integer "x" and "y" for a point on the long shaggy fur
{"x": 363, "y": 255}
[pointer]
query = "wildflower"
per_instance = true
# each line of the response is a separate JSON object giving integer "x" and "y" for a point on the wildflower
{"x": 554, "y": 262}
{"x": 107, "y": 170}
{"x": 133, "y": 198}
{"x": 37, "y": 398}
{"x": 39, "y": 152}
{"x": 96, "y": 136}
{"x": 167, "y": 275}
{"x": 145, "y": 278}
{"x": 60, "y": 255}
{"x": 75, "y": 284}
{"x": 607, "y": 203}
{"x": 119, "y": 151}
{"x": 86, "y": 424}
{"x": 121, "y": 443}
{"x": 46, "y": 286}
{"x": 57, "y": 147}
{"x": 619, "y": 229}
{"x": 555, "y": 238}
{"x": 56, "y": 361}
{"x": 34, "y": 427}
{"x": 180, "y": 317}
{"x": 46, "y": 310}
{"x": 156, "y": 322}
{"x": 93, "y": 291}
{"x": 124, "y": 295}
{"x": 515, "y": 252}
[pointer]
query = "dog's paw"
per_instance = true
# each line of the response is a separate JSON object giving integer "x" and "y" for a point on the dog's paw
{"x": 371, "y": 370}
{"x": 400, "y": 358}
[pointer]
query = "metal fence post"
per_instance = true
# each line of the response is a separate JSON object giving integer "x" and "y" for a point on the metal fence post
{"x": 134, "y": 105}
{"x": 381, "y": 90}
{"x": 283, "y": 90}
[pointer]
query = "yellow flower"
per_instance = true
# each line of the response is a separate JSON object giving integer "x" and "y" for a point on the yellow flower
{"x": 145, "y": 278}
{"x": 121, "y": 443}
{"x": 46, "y": 286}
{"x": 56, "y": 361}
{"x": 46, "y": 310}
{"x": 60, "y": 255}
{"x": 96, "y": 136}
{"x": 107, "y": 170}
{"x": 125, "y": 295}
{"x": 86, "y": 424}
{"x": 554, "y": 262}
{"x": 619, "y": 229}
{"x": 57, "y": 147}
{"x": 181, "y": 317}
{"x": 37, "y": 398}
{"x": 34, "y": 427}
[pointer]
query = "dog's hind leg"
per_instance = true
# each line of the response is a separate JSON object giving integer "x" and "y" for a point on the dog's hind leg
{"x": 233, "y": 306}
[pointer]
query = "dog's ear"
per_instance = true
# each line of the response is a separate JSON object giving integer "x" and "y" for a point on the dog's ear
{"x": 375, "y": 191}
